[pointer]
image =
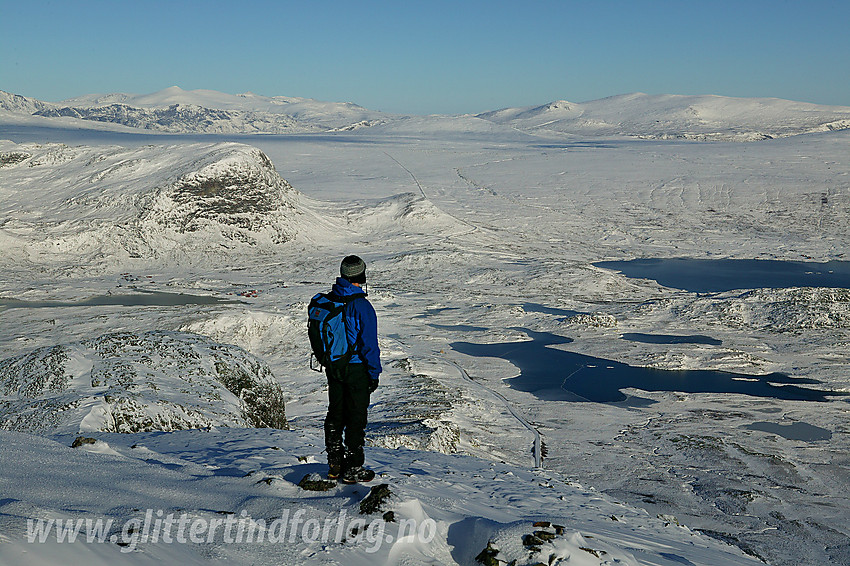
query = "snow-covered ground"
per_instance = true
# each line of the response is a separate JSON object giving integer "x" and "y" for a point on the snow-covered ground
{"x": 476, "y": 230}
{"x": 196, "y": 497}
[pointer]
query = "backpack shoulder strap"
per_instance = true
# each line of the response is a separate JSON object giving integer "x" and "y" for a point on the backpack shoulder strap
{"x": 337, "y": 299}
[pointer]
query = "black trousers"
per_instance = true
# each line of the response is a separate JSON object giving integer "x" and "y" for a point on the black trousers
{"x": 348, "y": 401}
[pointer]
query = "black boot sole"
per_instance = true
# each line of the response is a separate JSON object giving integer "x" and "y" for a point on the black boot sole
{"x": 352, "y": 482}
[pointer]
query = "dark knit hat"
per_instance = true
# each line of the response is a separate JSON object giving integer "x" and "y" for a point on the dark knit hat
{"x": 354, "y": 269}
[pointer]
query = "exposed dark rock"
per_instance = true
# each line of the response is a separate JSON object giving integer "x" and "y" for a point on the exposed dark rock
{"x": 13, "y": 158}
{"x": 378, "y": 495}
{"x": 315, "y": 482}
{"x": 488, "y": 555}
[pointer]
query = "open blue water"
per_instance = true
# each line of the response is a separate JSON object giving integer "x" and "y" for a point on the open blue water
{"x": 717, "y": 275}
{"x": 556, "y": 375}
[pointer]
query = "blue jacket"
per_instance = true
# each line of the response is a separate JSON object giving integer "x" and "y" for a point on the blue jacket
{"x": 361, "y": 325}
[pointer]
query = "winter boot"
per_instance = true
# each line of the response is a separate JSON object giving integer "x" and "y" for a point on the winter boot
{"x": 357, "y": 474}
{"x": 334, "y": 471}
{"x": 335, "y": 467}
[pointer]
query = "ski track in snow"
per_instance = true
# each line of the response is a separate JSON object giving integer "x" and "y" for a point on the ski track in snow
{"x": 537, "y": 447}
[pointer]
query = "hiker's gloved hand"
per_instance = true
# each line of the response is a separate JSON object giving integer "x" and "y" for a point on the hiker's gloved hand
{"x": 373, "y": 384}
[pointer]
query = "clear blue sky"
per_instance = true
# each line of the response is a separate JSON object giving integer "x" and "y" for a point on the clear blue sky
{"x": 431, "y": 56}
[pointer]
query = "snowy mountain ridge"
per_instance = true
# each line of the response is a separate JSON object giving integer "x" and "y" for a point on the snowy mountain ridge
{"x": 635, "y": 115}
{"x": 17, "y": 104}
{"x": 174, "y": 204}
{"x": 175, "y": 110}
{"x": 206, "y": 98}
{"x": 667, "y": 116}
{"x": 182, "y": 118}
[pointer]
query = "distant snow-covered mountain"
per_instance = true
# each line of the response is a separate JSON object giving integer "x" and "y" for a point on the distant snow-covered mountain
{"x": 248, "y": 101}
{"x": 637, "y": 115}
{"x": 182, "y": 118}
{"x": 175, "y": 110}
{"x": 677, "y": 117}
{"x": 17, "y": 104}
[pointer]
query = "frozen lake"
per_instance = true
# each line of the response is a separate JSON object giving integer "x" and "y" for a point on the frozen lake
{"x": 670, "y": 338}
{"x": 558, "y": 375}
{"x": 140, "y": 299}
{"x": 793, "y": 431}
{"x": 717, "y": 275}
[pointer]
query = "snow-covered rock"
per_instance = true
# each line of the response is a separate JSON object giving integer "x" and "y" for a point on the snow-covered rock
{"x": 779, "y": 310}
{"x": 238, "y": 192}
{"x": 131, "y": 382}
{"x": 154, "y": 202}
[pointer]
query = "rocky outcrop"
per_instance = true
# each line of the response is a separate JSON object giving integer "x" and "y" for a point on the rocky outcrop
{"x": 182, "y": 203}
{"x": 239, "y": 195}
{"x": 137, "y": 382}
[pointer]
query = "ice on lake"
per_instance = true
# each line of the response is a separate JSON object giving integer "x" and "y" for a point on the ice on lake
{"x": 717, "y": 275}
{"x": 558, "y": 375}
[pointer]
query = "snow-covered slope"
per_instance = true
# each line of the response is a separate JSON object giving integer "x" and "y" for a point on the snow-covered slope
{"x": 237, "y": 495}
{"x": 17, "y": 104}
{"x": 677, "y": 117}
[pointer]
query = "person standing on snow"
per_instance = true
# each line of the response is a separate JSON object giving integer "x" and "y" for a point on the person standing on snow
{"x": 350, "y": 386}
